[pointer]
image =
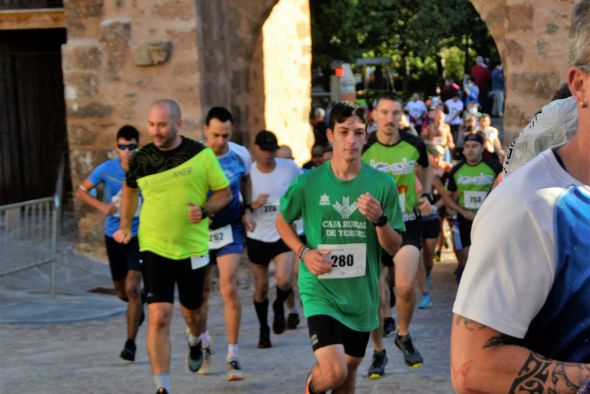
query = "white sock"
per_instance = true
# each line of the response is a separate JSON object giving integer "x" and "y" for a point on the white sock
{"x": 162, "y": 380}
{"x": 205, "y": 339}
{"x": 192, "y": 340}
{"x": 293, "y": 309}
{"x": 232, "y": 352}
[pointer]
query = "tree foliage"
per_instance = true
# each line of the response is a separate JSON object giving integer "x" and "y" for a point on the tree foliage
{"x": 411, "y": 32}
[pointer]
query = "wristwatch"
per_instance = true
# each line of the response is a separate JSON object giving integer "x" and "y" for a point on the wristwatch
{"x": 204, "y": 213}
{"x": 382, "y": 221}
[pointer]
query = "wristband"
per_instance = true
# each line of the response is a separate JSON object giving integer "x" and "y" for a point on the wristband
{"x": 305, "y": 249}
{"x": 248, "y": 207}
{"x": 382, "y": 221}
{"x": 204, "y": 213}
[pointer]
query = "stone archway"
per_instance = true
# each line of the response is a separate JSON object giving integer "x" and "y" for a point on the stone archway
{"x": 254, "y": 57}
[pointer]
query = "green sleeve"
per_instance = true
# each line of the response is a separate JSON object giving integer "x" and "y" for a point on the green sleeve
{"x": 391, "y": 206}
{"x": 291, "y": 204}
{"x": 215, "y": 176}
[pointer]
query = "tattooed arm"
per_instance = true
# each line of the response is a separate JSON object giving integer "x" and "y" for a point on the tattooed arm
{"x": 484, "y": 360}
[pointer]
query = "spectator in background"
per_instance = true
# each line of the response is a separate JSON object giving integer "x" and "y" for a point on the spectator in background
{"x": 317, "y": 157}
{"x": 453, "y": 118}
{"x": 416, "y": 111}
{"x": 498, "y": 91}
{"x": 449, "y": 90}
{"x": 482, "y": 77}
{"x": 319, "y": 127}
{"x": 471, "y": 91}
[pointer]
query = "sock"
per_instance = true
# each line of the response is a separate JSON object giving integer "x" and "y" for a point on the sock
{"x": 162, "y": 380}
{"x": 425, "y": 294}
{"x": 282, "y": 295}
{"x": 232, "y": 352}
{"x": 293, "y": 310}
{"x": 192, "y": 340}
{"x": 262, "y": 313}
{"x": 205, "y": 339}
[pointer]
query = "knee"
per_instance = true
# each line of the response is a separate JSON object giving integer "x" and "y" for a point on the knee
{"x": 133, "y": 292}
{"x": 228, "y": 291}
{"x": 335, "y": 374}
{"x": 404, "y": 290}
{"x": 159, "y": 320}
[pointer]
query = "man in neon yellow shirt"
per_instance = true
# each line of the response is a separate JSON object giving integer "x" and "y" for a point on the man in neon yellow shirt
{"x": 174, "y": 174}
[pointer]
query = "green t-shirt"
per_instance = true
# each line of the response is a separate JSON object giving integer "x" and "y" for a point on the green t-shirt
{"x": 474, "y": 182}
{"x": 399, "y": 160}
{"x": 168, "y": 181}
{"x": 331, "y": 217}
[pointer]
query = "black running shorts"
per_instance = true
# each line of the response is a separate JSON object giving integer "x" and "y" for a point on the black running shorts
{"x": 122, "y": 257}
{"x": 263, "y": 252}
{"x": 431, "y": 228}
{"x": 325, "y": 330}
{"x": 413, "y": 233}
{"x": 464, "y": 229}
{"x": 161, "y": 274}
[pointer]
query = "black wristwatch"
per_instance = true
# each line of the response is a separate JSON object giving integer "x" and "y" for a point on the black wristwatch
{"x": 204, "y": 213}
{"x": 382, "y": 221}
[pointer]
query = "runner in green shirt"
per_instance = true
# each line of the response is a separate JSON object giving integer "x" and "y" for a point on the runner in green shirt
{"x": 402, "y": 157}
{"x": 174, "y": 174}
{"x": 470, "y": 181}
{"x": 349, "y": 211}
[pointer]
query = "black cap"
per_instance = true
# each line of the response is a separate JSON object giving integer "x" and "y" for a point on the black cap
{"x": 266, "y": 140}
{"x": 473, "y": 137}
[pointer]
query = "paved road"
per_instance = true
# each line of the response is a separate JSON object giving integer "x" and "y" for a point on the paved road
{"x": 70, "y": 343}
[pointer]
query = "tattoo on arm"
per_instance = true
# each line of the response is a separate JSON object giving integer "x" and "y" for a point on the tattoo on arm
{"x": 501, "y": 339}
{"x": 469, "y": 324}
{"x": 542, "y": 375}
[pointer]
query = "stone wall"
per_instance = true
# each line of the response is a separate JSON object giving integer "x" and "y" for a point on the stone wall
{"x": 532, "y": 38}
{"x": 119, "y": 57}
{"x": 286, "y": 51}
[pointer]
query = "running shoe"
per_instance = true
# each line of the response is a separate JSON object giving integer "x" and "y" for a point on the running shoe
{"x": 437, "y": 256}
{"x": 292, "y": 321}
{"x": 162, "y": 390}
{"x": 128, "y": 352}
{"x": 278, "y": 323}
{"x": 377, "y": 368}
{"x": 194, "y": 357}
{"x": 388, "y": 326}
{"x": 264, "y": 338}
{"x": 412, "y": 357}
{"x": 426, "y": 301}
{"x": 234, "y": 371}
{"x": 207, "y": 366}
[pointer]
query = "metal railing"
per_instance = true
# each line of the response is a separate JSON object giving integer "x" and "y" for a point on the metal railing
{"x": 29, "y": 231}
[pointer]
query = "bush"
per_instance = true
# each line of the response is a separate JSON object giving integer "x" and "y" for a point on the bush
{"x": 453, "y": 60}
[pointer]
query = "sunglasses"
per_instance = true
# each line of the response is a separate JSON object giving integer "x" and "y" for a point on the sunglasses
{"x": 129, "y": 146}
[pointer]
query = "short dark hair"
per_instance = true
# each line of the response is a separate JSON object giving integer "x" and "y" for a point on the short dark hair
{"x": 220, "y": 113}
{"x": 344, "y": 110}
{"x": 387, "y": 95}
{"x": 128, "y": 133}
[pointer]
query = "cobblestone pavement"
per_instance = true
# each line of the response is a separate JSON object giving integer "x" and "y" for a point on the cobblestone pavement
{"x": 70, "y": 343}
{"x": 83, "y": 357}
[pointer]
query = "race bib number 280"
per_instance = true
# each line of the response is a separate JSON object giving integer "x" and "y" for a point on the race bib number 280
{"x": 348, "y": 261}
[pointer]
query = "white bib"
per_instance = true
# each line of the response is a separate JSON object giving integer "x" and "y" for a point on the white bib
{"x": 220, "y": 237}
{"x": 348, "y": 261}
{"x": 199, "y": 261}
{"x": 473, "y": 200}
